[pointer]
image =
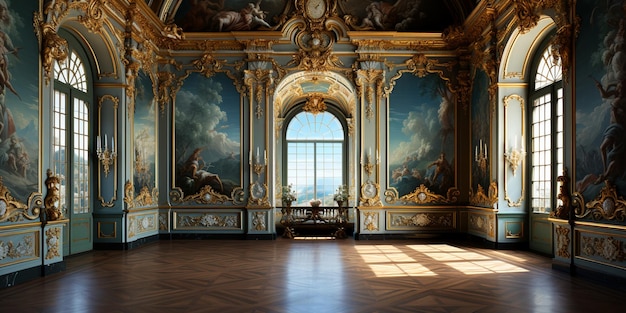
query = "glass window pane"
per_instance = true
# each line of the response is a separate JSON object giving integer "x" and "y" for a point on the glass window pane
{"x": 315, "y": 145}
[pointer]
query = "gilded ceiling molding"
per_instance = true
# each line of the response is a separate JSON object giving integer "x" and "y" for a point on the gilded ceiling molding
{"x": 94, "y": 15}
{"x": 420, "y": 65}
{"x": 568, "y": 26}
{"x": 526, "y": 12}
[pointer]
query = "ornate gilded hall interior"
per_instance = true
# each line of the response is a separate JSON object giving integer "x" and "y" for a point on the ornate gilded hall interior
{"x": 130, "y": 123}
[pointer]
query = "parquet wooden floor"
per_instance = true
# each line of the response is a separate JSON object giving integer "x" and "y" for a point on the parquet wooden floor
{"x": 298, "y": 276}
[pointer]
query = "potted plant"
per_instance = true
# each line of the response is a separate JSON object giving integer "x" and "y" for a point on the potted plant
{"x": 288, "y": 196}
{"x": 341, "y": 195}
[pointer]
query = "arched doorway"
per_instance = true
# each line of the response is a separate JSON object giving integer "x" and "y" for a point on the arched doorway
{"x": 293, "y": 99}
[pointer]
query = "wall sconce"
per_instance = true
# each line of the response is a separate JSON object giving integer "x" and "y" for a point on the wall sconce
{"x": 107, "y": 157}
{"x": 480, "y": 156}
{"x": 515, "y": 156}
{"x": 256, "y": 164}
{"x": 366, "y": 162}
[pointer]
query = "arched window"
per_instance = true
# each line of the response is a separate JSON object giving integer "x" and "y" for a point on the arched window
{"x": 70, "y": 146}
{"x": 546, "y": 130}
{"x": 314, "y": 148}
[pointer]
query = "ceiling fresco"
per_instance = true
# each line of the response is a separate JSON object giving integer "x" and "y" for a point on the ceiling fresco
{"x": 263, "y": 15}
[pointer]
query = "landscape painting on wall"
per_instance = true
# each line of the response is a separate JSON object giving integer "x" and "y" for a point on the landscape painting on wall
{"x": 480, "y": 131}
{"x": 601, "y": 98}
{"x": 19, "y": 99}
{"x": 208, "y": 135}
{"x": 421, "y": 135}
{"x": 144, "y": 132}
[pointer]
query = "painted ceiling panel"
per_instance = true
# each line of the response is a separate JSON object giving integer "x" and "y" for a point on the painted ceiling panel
{"x": 244, "y": 15}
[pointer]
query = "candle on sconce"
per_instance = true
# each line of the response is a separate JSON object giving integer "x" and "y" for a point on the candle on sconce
{"x": 486, "y": 154}
{"x": 98, "y": 143}
{"x": 522, "y": 143}
{"x": 250, "y": 157}
{"x": 258, "y": 157}
{"x": 113, "y": 144}
{"x": 369, "y": 153}
{"x": 265, "y": 156}
{"x": 105, "y": 141}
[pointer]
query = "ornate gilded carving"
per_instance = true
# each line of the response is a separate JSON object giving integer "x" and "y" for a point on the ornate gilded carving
{"x": 13, "y": 210}
{"x": 526, "y": 12}
{"x": 562, "y": 241}
{"x": 53, "y": 47}
{"x": 23, "y": 248}
{"x": 165, "y": 90}
{"x": 52, "y": 200}
{"x": 53, "y": 240}
{"x": 568, "y": 26}
{"x": 129, "y": 194}
{"x": 481, "y": 199}
{"x": 94, "y": 15}
{"x": 609, "y": 248}
{"x": 315, "y": 103}
{"x": 564, "y": 209}
{"x": 420, "y": 65}
{"x": 370, "y": 194}
{"x": 206, "y": 195}
{"x": 606, "y": 206}
{"x": 422, "y": 195}
{"x": 258, "y": 220}
{"x": 423, "y": 220}
{"x": 370, "y": 220}
{"x": 207, "y": 220}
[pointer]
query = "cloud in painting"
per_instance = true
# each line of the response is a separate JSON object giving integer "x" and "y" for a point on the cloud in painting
{"x": 421, "y": 129}
{"x": 199, "y": 119}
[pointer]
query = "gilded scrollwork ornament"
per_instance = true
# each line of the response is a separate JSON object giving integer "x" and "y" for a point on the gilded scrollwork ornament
{"x": 13, "y": 210}
{"x": 422, "y": 195}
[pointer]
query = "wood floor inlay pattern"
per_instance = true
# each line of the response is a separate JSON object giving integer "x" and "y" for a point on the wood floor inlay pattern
{"x": 302, "y": 276}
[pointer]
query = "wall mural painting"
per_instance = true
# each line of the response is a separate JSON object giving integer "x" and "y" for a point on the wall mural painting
{"x": 601, "y": 98}
{"x": 421, "y": 135}
{"x": 145, "y": 136}
{"x": 480, "y": 130}
{"x": 224, "y": 16}
{"x": 208, "y": 135}
{"x": 19, "y": 99}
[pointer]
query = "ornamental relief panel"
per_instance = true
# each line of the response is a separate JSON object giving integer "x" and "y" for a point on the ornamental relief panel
{"x": 206, "y": 221}
{"x": 482, "y": 223}
{"x": 19, "y": 248}
{"x": 606, "y": 249}
{"x": 403, "y": 221}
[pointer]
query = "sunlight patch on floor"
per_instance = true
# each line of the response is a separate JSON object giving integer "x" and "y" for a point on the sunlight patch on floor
{"x": 391, "y": 261}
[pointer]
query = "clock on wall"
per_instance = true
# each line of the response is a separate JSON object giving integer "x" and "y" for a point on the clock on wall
{"x": 315, "y": 9}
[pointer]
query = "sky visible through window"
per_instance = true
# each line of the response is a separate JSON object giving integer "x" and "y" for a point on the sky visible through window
{"x": 315, "y": 154}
